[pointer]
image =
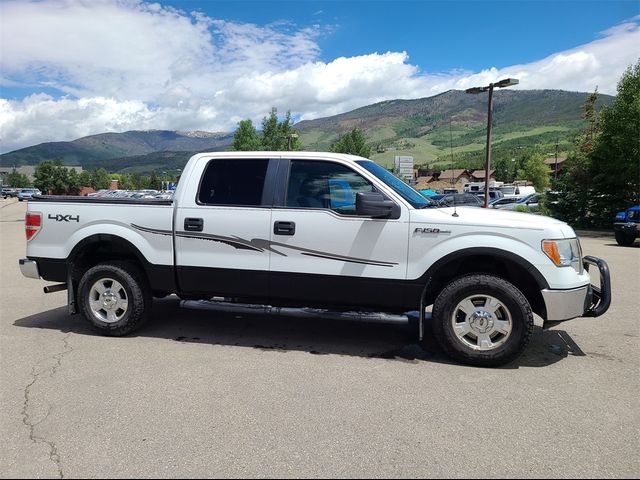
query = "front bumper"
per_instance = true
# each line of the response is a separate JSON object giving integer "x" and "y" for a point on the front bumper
{"x": 587, "y": 301}
{"x": 628, "y": 228}
{"x": 29, "y": 268}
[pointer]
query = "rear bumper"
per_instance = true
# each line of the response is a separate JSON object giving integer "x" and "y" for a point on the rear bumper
{"x": 587, "y": 301}
{"x": 29, "y": 268}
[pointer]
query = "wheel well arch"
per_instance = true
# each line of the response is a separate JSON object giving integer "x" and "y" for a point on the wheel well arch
{"x": 507, "y": 265}
{"x": 103, "y": 247}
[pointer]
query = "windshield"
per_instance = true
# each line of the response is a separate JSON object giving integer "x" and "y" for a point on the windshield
{"x": 528, "y": 198}
{"x": 405, "y": 191}
{"x": 508, "y": 190}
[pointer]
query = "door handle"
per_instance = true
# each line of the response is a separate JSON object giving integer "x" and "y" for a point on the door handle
{"x": 284, "y": 228}
{"x": 193, "y": 224}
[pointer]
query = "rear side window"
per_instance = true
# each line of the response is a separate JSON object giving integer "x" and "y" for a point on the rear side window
{"x": 236, "y": 182}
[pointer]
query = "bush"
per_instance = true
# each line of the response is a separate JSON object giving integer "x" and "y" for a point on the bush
{"x": 521, "y": 208}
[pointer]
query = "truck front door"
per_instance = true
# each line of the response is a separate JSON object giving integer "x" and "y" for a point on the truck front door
{"x": 325, "y": 254}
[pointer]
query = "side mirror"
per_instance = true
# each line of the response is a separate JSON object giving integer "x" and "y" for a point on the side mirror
{"x": 372, "y": 204}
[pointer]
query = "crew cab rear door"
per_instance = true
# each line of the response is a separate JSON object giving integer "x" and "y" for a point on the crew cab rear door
{"x": 222, "y": 228}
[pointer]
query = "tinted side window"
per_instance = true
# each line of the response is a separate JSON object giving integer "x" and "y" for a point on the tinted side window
{"x": 233, "y": 182}
{"x": 315, "y": 184}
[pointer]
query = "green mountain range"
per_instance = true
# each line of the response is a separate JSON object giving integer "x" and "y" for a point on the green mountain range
{"x": 143, "y": 150}
{"x": 426, "y": 128}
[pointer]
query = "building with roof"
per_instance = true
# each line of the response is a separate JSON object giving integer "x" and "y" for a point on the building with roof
{"x": 478, "y": 175}
{"x": 458, "y": 175}
{"x": 551, "y": 162}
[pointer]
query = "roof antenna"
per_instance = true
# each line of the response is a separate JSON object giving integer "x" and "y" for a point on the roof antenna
{"x": 455, "y": 211}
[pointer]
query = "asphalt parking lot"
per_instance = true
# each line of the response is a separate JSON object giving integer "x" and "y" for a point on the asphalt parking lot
{"x": 201, "y": 394}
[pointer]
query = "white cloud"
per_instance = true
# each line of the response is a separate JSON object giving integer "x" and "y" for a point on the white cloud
{"x": 126, "y": 64}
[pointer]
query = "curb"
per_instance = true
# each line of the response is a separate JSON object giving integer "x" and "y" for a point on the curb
{"x": 595, "y": 233}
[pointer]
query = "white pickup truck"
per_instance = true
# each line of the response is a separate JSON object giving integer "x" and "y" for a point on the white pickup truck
{"x": 322, "y": 230}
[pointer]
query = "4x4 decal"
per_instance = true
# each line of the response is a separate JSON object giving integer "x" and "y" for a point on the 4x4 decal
{"x": 261, "y": 245}
{"x": 64, "y": 218}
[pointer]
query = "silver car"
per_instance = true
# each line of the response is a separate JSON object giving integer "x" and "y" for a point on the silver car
{"x": 531, "y": 201}
{"x": 27, "y": 193}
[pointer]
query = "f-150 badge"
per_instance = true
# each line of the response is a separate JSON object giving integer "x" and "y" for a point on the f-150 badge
{"x": 430, "y": 230}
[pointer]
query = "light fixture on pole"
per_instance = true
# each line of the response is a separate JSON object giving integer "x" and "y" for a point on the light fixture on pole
{"x": 290, "y": 138}
{"x": 507, "y": 82}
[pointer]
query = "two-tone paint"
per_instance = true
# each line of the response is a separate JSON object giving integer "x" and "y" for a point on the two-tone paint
{"x": 331, "y": 259}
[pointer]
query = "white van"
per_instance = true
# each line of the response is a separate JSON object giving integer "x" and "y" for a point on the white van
{"x": 518, "y": 191}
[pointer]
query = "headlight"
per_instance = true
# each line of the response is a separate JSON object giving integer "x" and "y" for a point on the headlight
{"x": 564, "y": 253}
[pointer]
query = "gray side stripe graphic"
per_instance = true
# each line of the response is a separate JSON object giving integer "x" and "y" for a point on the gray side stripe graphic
{"x": 261, "y": 245}
{"x": 152, "y": 230}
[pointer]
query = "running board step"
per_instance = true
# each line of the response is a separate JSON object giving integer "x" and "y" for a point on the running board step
{"x": 220, "y": 306}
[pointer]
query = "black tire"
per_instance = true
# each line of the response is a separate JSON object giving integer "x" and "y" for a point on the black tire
{"x": 624, "y": 239}
{"x": 513, "y": 305}
{"x": 138, "y": 296}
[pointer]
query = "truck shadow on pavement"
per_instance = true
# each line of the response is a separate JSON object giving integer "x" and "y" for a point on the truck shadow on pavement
{"x": 374, "y": 340}
{"x": 635, "y": 245}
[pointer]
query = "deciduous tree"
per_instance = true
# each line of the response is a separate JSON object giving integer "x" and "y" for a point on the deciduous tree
{"x": 354, "y": 143}
{"x": 17, "y": 180}
{"x": 615, "y": 159}
{"x": 246, "y": 137}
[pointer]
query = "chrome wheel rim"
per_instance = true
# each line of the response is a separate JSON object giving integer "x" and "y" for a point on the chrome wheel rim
{"x": 108, "y": 300}
{"x": 482, "y": 322}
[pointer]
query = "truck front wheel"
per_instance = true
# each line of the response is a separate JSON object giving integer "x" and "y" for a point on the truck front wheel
{"x": 482, "y": 320}
{"x": 625, "y": 239}
{"x": 115, "y": 298}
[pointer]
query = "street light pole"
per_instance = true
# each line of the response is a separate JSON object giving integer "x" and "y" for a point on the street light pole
{"x": 290, "y": 138}
{"x": 487, "y": 160}
{"x": 507, "y": 82}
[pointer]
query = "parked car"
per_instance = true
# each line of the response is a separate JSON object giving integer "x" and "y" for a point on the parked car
{"x": 530, "y": 201}
{"x": 8, "y": 192}
{"x": 242, "y": 227}
{"x": 627, "y": 226}
{"x": 493, "y": 195}
{"x": 28, "y": 193}
{"x": 518, "y": 191}
{"x": 502, "y": 201}
{"x": 458, "y": 199}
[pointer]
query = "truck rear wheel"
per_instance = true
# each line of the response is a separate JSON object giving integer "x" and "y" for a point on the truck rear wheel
{"x": 115, "y": 298}
{"x": 482, "y": 320}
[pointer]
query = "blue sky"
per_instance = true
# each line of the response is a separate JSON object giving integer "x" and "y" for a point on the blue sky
{"x": 438, "y": 35}
{"x": 71, "y": 68}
